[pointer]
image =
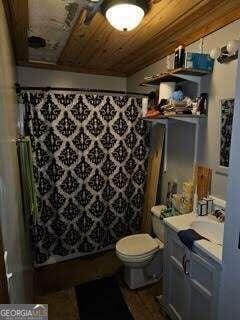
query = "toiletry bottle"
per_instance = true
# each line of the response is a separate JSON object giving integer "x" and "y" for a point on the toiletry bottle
{"x": 176, "y": 58}
{"x": 181, "y": 56}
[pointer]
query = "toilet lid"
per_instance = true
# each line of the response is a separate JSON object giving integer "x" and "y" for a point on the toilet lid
{"x": 137, "y": 244}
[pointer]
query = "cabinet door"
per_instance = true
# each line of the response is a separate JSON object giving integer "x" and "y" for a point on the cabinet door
{"x": 202, "y": 287}
{"x": 175, "y": 280}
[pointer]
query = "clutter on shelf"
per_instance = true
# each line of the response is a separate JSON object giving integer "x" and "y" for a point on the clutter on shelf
{"x": 181, "y": 64}
{"x": 179, "y": 57}
{"x": 179, "y": 203}
{"x": 201, "y": 61}
{"x": 219, "y": 214}
{"x": 205, "y": 206}
{"x": 177, "y": 104}
{"x": 191, "y": 60}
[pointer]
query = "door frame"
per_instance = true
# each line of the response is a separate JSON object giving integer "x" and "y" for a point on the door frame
{"x": 229, "y": 307}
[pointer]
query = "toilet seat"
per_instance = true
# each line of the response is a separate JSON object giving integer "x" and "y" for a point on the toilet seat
{"x": 137, "y": 247}
{"x": 141, "y": 258}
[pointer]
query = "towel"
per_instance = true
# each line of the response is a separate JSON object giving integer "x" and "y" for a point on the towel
{"x": 188, "y": 237}
{"x": 29, "y": 194}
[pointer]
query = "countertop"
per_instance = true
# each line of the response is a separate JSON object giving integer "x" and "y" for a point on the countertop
{"x": 183, "y": 222}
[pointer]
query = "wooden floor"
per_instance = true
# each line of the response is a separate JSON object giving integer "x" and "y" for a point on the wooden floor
{"x": 142, "y": 302}
{"x": 55, "y": 287}
{"x": 67, "y": 274}
{"x": 62, "y": 305}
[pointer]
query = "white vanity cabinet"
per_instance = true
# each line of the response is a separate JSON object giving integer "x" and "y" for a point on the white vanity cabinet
{"x": 191, "y": 281}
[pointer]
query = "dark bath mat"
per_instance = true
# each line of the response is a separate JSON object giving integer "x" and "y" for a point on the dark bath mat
{"x": 102, "y": 299}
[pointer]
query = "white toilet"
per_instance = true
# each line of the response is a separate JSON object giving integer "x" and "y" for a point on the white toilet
{"x": 142, "y": 255}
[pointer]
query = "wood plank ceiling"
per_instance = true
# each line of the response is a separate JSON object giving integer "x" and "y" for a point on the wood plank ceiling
{"x": 100, "y": 49}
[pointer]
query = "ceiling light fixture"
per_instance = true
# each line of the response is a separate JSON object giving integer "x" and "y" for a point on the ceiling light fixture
{"x": 124, "y": 15}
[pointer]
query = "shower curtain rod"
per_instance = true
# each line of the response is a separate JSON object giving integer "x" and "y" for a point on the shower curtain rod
{"x": 19, "y": 88}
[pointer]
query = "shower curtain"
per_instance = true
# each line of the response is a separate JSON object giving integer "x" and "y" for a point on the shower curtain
{"x": 89, "y": 156}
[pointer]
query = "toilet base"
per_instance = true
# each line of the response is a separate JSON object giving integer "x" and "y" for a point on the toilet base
{"x": 140, "y": 277}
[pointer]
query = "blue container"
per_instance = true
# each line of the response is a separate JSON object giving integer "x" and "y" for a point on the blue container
{"x": 198, "y": 61}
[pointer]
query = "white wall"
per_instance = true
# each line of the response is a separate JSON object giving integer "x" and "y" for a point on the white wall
{"x": 11, "y": 215}
{"x": 53, "y": 78}
{"x": 229, "y": 307}
{"x": 222, "y": 85}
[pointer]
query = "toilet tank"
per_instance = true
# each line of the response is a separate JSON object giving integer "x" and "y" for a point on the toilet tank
{"x": 157, "y": 222}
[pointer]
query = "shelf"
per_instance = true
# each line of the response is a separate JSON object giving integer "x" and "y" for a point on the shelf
{"x": 189, "y": 76}
{"x": 196, "y": 120}
{"x": 178, "y": 117}
{"x": 176, "y": 75}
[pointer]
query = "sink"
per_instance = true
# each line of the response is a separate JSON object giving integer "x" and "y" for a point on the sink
{"x": 209, "y": 228}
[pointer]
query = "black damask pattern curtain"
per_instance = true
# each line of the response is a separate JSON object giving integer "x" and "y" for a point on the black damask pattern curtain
{"x": 89, "y": 155}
